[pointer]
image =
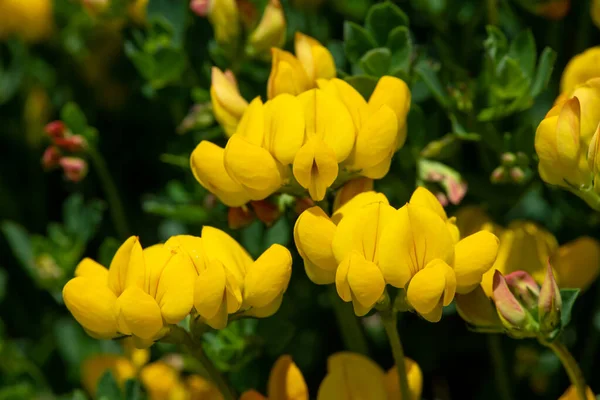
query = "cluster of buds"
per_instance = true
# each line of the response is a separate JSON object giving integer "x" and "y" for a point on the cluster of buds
{"x": 265, "y": 210}
{"x": 444, "y": 182}
{"x": 59, "y": 153}
{"x": 526, "y": 309}
{"x": 230, "y": 18}
{"x": 514, "y": 168}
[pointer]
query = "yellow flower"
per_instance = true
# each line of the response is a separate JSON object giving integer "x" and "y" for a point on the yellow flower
{"x": 94, "y": 367}
{"x": 201, "y": 389}
{"x": 571, "y": 394}
{"x": 31, "y": 20}
{"x": 580, "y": 69}
{"x": 351, "y": 375}
{"x": 228, "y": 104}
{"x": 270, "y": 31}
{"x": 297, "y": 74}
{"x": 351, "y": 189}
{"x": 224, "y": 16}
{"x": 528, "y": 247}
{"x": 140, "y": 294}
{"x": 285, "y": 383}
{"x": 368, "y": 244}
{"x": 229, "y": 281}
{"x": 137, "y": 11}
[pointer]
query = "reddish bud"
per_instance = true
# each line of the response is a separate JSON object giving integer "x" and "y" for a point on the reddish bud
{"x": 498, "y": 175}
{"x": 75, "y": 168}
{"x": 72, "y": 143}
{"x": 549, "y": 303}
{"x": 238, "y": 217}
{"x": 266, "y": 211}
{"x": 51, "y": 157}
{"x": 55, "y": 129}
{"x": 511, "y": 312}
{"x": 524, "y": 287}
{"x": 508, "y": 158}
{"x": 303, "y": 204}
{"x": 517, "y": 175}
{"x": 200, "y": 7}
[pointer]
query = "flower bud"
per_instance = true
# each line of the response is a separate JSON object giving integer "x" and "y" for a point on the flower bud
{"x": 508, "y": 159}
{"x": 51, "y": 157}
{"x": 524, "y": 287}
{"x": 238, "y": 217}
{"x": 498, "y": 175}
{"x": 75, "y": 168}
{"x": 455, "y": 188}
{"x": 228, "y": 105}
{"x": 549, "y": 303}
{"x": 72, "y": 143}
{"x": 302, "y": 204}
{"x": 200, "y": 7}
{"x": 517, "y": 175}
{"x": 513, "y": 315}
{"x": 55, "y": 129}
{"x": 224, "y": 16}
{"x": 270, "y": 31}
{"x": 266, "y": 211}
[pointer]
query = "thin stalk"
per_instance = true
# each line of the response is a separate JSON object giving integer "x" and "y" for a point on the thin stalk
{"x": 389, "y": 323}
{"x": 571, "y": 366}
{"x": 501, "y": 377}
{"x": 351, "y": 331}
{"x": 112, "y": 194}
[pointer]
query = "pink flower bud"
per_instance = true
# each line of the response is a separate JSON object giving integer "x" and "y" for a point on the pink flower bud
{"x": 55, "y": 129}
{"x": 524, "y": 287}
{"x": 498, "y": 175}
{"x": 75, "y": 168}
{"x": 200, "y": 7}
{"x": 549, "y": 303}
{"x": 517, "y": 175}
{"x": 51, "y": 157}
{"x": 71, "y": 143}
{"x": 508, "y": 158}
{"x": 511, "y": 312}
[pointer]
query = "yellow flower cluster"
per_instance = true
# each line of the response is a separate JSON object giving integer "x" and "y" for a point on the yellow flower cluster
{"x": 146, "y": 290}
{"x": 349, "y": 375}
{"x": 367, "y": 244}
{"x": 31, "y": 20}
{"x": 160, "y": 380}
{"x": 526, "y": 246}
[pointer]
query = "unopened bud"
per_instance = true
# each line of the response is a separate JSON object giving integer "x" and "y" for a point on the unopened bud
{"x": 524, "y": 287}
{"x": 270, "y": 31}
{"x": 75, "y": 168}
{"x": 517, "y": 175}
{"x": 51, "y": 157}
{"x": 508, "y": 159}
{"x": 442, "y": 198}
{"x": 549, "y": 303}
{"x": 303, "y": 204}
{"x": 238, "y": 217}
{"x": 512, "y": 314}
{"x": 498, "y": 175}
{"x": 266, "y": 211}
{"x": 55, "y": 129}
{"x": 71, "y": 143}
{"x": 200, "y": 7}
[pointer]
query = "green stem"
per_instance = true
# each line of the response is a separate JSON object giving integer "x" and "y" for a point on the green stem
{"x": 389, "y": 323}
{"x": 112, "y": 195}
{"x": 571, "y": 366}
{"x": 492, "y": 9}
{"x": 503, "y": 385}
{"x": 349, "y": 325}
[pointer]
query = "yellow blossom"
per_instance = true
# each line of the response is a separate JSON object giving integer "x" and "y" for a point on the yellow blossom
{"x": 297, "y": 74}
{"x": 31, "y": 20}
{"x": 368, "y": 244}
{"x": 229, "y": 281}
{"x": 93, "y": 368}
{"x": 228, "y": 104}
{"x": 580, "y": 69}
{"x": 571, "y": 394}
{"x": 351, "y": 189}
{"x": 285, "y": 383}
{"x": 270, "y": 31}
{"x": 224, "y": 16}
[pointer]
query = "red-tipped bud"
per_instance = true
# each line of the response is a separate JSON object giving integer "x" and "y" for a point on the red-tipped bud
{"x": 55, "y": 129}
{"x": 75, "y": 168}
{"x": 200, "y": 7}
{"x": 549, "y": 303}
{"x": 71, "y": 143}
{"x": 498, "y": 175}
{"x": 303, "y": 204}
{"x": 517, "y": 175}
{"x": 524, "y": 287}
{"x": 512, "y": 314}
{"x": 51, "y": 157}
{"x": 238, "y": 217}
{"x": 266, "y": 211}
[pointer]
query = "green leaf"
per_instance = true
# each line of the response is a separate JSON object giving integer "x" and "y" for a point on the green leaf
{"x": 511, "y": 82}
{"x": 543, "y": 72}
{"x": 357, "y": 41}
{"x": 376, "y": 62}
{"x": 568, "y": 297}
{"x": 81, "y": 220}
{"x": 78, "y": 395}
{"x": 20, "y": 243}
{"x": 12, "y": 77}
{"x": 74, "y": 118}
{"x": 107, "y": 388}
{"x": 524, "y": 51}
{"x": 382, "y": 18}
{"x": 363, "y": 84}
{"x": 429, "y": 75}
{"x": 495, "y": 44}
{"x": 278, "y": 233}
{"x": 400, "y": 44}
{"x": 133, "y": 390}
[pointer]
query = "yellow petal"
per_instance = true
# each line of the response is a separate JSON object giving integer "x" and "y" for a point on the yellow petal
{"x": 471, "y": 219}
{"x": 580, "y": 68}
{"x": 233, "y": 293}
{"x": 202, "y": 389}
{"x": 313, "y": 235}
{"x": 319, "y": 275}
{"x": 175, "y": 291}
{"x": 156, "y": 258}
{"x": 356, "y": 203}
{"x": 336, "y": 132}
{"x": 588, "y": 95}
{"x": 287, "y": 75}
{"x": 270, "y": 31}
{"x": 139, "y": 313}
{"x": 352, "y": 376}
{"x": 93, "y": 305}
{"x": 252, "y": 125}
{"x": 571, "y": 394}
{"x": 593, "y": 158}
{"x": 473, "y": 256}
{"x": 379, "y": 170}
{"x": 209, "y": 290}
{"x": 424, "y": 198}
{"x": 412, "y": 237}
{"x": 268, "y": 277}
{"x": 91, "y": 269}
{"x": 394, "y": 93}
{"x": 376, "y": 140}
{"x": 220, "y": 246}
{"x": 314, "y": 57}
{"x": 207, "y": 164}
{"x": 284, "y": 128}
{"x": 193, "y": 246}
{"x": 415, "y": 380}
{"x": 567, "y": 133}
{"x": 159, "y": 380}
{"x": 266, "y": 311}
{"x": 432, "y": 287}
{"x": 577, "y": 263}
{"x": 286, "y": 381}
{"x": 93, "y": 368}
{"x": 351, "y": 189}
{"x": 253, "y": 167}
{"x": 228, "y": 104}
{"x": 354, "y": 102}
{"x": 315, "y": 168}
{"x": 127, "y": 267}
{"x": 477, "y": 309}
{"x": 361, "y": 280}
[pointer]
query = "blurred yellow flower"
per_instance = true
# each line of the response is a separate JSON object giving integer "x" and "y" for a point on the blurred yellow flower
{"x": 93, "y": 368}
{"x": 228, "y": 105}
{"x": 31, "y": 20}
{"x": 528, "y": 247}
{"x": 571, "y": 394}
{"x": 285, "y": 383}
{"x": 580, "y": 69}
{"x": 270, "y": 31}
{"x": 367, "y": 244}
